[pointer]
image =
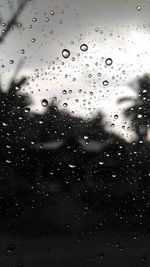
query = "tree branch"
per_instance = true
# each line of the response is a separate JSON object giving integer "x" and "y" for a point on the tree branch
{"x": 13, "y": 20}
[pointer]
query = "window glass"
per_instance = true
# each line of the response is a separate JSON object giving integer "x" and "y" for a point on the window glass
{"x": 74, "y": 133}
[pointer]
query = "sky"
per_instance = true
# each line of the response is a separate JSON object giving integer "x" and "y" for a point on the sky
{"x": 83, "y": 83}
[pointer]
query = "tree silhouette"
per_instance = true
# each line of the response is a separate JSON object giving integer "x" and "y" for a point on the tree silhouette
{"x": 56, "y": 124}
{"x": 139, "y": 112}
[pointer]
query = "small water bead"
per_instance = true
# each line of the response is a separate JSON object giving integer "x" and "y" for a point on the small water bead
{"x": 4, "y": 124}
{"x": 11, "y": 61}
{"x": 47, "y": 19}
{"x": 65, "y": 105}
{"x": 11, "y": 248}
{"x": 22, "y": 51}
{"x": 64, "y": 92}
{"x": 105, "y": 83}
{"x": 108, "y": 61}
{"x": 34, "y": 19}
{"x": 65, "y": 53}
{"x": 44, "y": 103}
{"x": 138, "y": 8}
{"x": 139, "y": 116}
{"x": 33, "y": 40}
{"x": 17, "y": 88}
{"x": 3, "y": 31}
{"x": 19, "y": 25}
{"x": 41, "y": 122}
{"x": 72, "y": 166}
{"x": 52, "y": 12}
{"x": 101, "y": 163}
{"x": 27, "y": 110}
{"x": 84, "y": 47}
{"x": 116, "y": 117}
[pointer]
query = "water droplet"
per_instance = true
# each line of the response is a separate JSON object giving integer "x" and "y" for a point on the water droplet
{"x": 65, "y": 53}
{"x": 108, "y": 61}
{"x": 105, "y": 83}
{"x": 11, "y": 248}
{"x": 4, "y": 124}
{"x": 22, "y": 51}
{"x": 116, "y": 117}
{"x": 64, "y": 92}
{"x": 52, "y": 12}
{"x": 34, "y": 19}
{"x": 17, "y": 88}
{"x": 85, "y": 137}
{"x": 65, "y": 105}
{"x": 72, "y": 166}
{"x": 84, "y": 47}
{"x": 33, "y": 40}
{"x": 27, "y": 110}
{"x": 47, "y": 19}
{"x": 44, "y": 103}
{"x": 139, "y": 116}
{"x": 8, "y": 161}
{"x": 11, "y": 61}
{"x": 138, "y": 8}
{"x": 101, "y": 163}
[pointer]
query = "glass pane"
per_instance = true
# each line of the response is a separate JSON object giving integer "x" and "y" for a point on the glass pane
{"x": 74, "y": 124}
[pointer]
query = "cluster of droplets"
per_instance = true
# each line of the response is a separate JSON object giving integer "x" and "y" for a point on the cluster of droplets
{"x": 66, "y": 53}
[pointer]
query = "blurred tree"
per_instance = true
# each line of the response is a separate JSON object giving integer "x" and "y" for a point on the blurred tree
{"x": 139, "y": 112}
{"x": 56, "y": 124}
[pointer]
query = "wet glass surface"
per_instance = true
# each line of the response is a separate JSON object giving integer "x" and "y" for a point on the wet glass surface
{"x": 74, "y": 133}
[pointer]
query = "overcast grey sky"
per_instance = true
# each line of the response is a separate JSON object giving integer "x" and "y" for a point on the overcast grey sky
{"x": 117, "y": 29}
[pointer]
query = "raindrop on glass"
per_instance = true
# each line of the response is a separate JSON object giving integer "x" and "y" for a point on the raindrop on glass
{"x": 65, "y": 53}
{"x": 34, "y": 19}
{"x": 64, "y": 92}
{"x": 22, "y": 51}
{"x": 105, "y": 83}
{"x": 11, "y": 248}
{"x": 72, "y": 166}
{"x": 108, "y": 61}
{"x": 52, "y": 12}
{"x": 44, "y": 103}
{"x": 27, "y": 110}
{"x": 138, "y": 8}
{"x": 116, "y": 117}
{"x": 84, "y": 47}
{"x": 65, "y": 105}
{"x": 11, "y": 61}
